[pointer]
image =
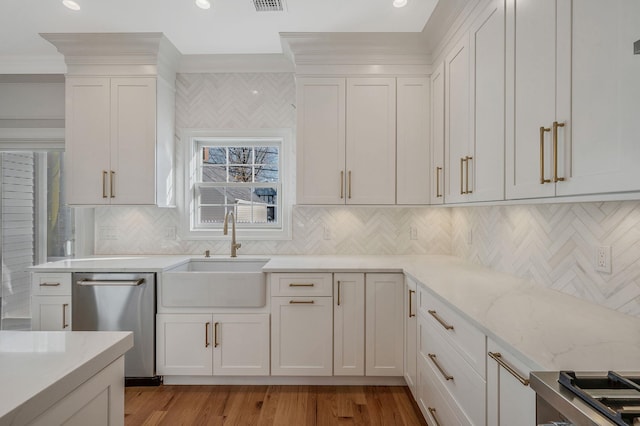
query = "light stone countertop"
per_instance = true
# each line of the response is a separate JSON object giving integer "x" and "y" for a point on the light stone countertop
{"x": 37, "y": 368}
{"x": 549, "y": 330}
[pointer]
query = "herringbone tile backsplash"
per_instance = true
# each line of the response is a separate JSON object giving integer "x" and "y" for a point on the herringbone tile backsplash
{"x": 552, "y": 244}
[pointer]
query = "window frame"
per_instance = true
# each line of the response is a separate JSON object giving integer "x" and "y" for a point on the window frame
{"x": 194, "y": 139}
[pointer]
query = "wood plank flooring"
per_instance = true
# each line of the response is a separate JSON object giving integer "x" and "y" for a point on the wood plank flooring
{"x": 271, "y": 405}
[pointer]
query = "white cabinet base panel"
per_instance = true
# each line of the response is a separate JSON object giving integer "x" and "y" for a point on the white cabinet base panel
{"x": 285, "y": 380}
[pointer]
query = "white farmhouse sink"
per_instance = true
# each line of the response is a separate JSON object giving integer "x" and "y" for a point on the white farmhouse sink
{"x": 215, "y": 283}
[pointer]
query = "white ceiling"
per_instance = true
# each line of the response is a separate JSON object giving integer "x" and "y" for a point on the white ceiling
{"x": 229, "y": 27}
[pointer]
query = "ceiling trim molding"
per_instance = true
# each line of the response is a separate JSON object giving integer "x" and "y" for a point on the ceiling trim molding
{"x": 240, "y": 63}
{"x": 355, "y": 48}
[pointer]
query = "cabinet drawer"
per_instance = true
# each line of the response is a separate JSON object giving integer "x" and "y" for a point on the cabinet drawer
{"x": 453, "y": 374}
{"x": 464, "y": 337}
{"x": 51, "y": 284}
{"x": 436, "y": 405}
{"x": 288, "y": 284}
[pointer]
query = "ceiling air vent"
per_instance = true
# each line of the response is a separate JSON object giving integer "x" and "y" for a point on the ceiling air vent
{"x": 269, "y": 5}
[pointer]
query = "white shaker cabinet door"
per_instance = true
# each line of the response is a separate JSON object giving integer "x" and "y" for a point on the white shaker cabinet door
{"x": 385, "y": 324}
{"x": 410, "y": 335}
{"x": 437, "y": 135}
{"x": 371, "y": 141}
{"x": 51, "y": 313}
{"x": 348, "y": 324}
{"x": 87, "y": 153}
{"x": 320, "y": 112}
{"x": 184, "y": 343}
{"x": 241, "y": 345}
{"x": 605, "y": 99}
{"x": 301, "y": 336}
{"x": 509, "y": 400}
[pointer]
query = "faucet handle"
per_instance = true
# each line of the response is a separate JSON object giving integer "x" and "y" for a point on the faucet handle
{"x": 207, "y": 253}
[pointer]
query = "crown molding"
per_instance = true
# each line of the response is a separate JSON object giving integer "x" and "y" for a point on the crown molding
{"x": 240, "y": 63}
{"x": 355, "y": 48}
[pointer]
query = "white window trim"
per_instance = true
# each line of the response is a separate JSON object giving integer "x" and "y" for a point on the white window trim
{"x": 186, "y": 183}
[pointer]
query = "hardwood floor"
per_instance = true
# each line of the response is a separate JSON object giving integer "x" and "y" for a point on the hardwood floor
{"x": 271, "y": 405}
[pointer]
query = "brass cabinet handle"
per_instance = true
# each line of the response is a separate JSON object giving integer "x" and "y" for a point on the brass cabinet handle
{"x": 542, "y": 132}
{"x": 338, "y": 292}
{"x": 341, "y": 184}
{"x": 440, "y": 320}
{"x": 206, "y": 334}
{"x": 411, "y": 314}
{"x": 438, "y": 171}
{"x": 497, "y": 356}
{"x": 462, "y": 160}
{"x": 104, "y": 183}
{"x": 64, "y": 315}
{"x": 555, "y": 151}
{"x": 49, "y": 284}
{"x": 301, "y": 285}
{"x": 301, "y": 302}
{"x": 467, "y": 160}
{"x": 215, "y": 334}
{"x": 432, "y": 411}
{"x": 349, "y": 184}
{"x": 112, "y": 184}
{"x": 440, "y": 369}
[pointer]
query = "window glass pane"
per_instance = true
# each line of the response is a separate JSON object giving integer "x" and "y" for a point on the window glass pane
{"x": 235, "y": 195}
{"x": 266, "y": 173}
{"x": 243, "y": 155}
{"x": 240, "y": 174}
{"x": 212, "y": 214}
{"x": 212, "y": 196}
{"x": 215, "y": 155}
{"x": 214, "y": 173}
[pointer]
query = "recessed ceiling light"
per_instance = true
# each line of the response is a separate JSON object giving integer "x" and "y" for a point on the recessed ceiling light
{"x": 399, "y": 3}
{"x": 203, "y": 4}
{"x": 71, "y": 4}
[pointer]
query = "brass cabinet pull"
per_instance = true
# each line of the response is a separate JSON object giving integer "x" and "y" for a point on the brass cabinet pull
{"x": 64, "y": 315}
{"x": 341, "y": 184}
{"x": 301, "y": 302}
{"x": 49, "y": 284}
{"x": 411, "y": 314}
{"x": 349, "y": 184}
{"x": 338, "y": 292}
{"x": 112, "y": 184}
{"x": 542, "y": 132}
{"x": 440, "y": 320}
{"x": 432, "y": 411}
{"x": 104, "y": 183}
{"x": 215, "y": 334}
{"x": 555, "y": 151}
{"x": 206, "y": 334}
{"x": 438, "y": 171}
{"x": 301, "y": 285}
{"x": 462, "y": 160}
{"x": 440, "y": 369}
{"x": 497, "y": 356}
{"x": 467, "y": 160}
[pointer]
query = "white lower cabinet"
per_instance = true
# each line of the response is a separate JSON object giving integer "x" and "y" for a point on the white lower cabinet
{"x": 218, "y": 344}
{"x": 384, "y": 325}
{"x": 301, "y": 336}
{"x": 51, "y": 313}
{"x": 510, "y": 399}
{"x": 410, "y": 335}
{"x": 348, "y": 324}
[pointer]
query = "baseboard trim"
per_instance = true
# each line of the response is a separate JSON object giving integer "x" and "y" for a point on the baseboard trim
{"x": 285, "y": 380}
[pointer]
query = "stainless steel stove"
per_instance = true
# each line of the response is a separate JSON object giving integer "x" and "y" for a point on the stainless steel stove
{"x": 587, "y": 399}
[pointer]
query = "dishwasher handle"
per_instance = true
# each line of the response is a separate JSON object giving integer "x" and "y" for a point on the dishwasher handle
{"x": 131, "y": 283}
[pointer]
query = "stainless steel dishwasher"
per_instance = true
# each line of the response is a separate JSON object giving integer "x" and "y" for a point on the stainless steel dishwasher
{"x": 120, "y": 302}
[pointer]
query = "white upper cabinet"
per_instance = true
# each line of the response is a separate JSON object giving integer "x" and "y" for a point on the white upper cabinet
{"x": 486, "y": 47}
{"x": 458, "y": 163}
{"x": 412, "y": 145}
{"x": 110, "y": 141}
{"x": 603, "y": 151}
{"x": 437, "y": 135}
{"x": 119, "y": 118}
{"x": 321, "y": 140}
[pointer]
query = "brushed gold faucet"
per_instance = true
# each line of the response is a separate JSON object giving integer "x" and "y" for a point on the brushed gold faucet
{"x": 225, "y": 231}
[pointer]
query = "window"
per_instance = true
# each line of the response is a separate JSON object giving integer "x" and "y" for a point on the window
{"x": 243, "y": 173}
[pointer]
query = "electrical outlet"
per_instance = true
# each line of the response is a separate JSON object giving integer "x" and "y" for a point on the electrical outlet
{"x": 413, "y": 233}
{"x": 326, "y": 233}
{"x": 603, "y": 259}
